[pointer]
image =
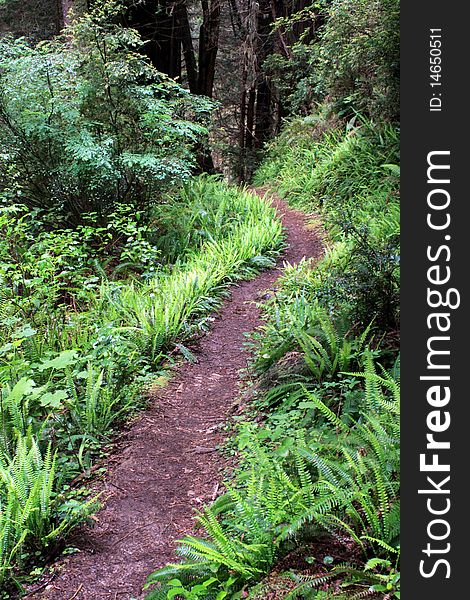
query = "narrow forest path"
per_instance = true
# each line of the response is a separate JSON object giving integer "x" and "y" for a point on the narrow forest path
{"x": 168, "y": 464}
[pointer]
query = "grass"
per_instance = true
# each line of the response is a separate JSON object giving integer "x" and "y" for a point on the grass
{"x": 164, "y": 309}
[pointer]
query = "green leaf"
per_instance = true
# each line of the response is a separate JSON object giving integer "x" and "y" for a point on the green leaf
{"x": 64, "y": 359}
{"x": 22, "y": 388}
{"x": 176, "y": 592}
{"x": 395, "y": 169}
{"x": 6, "y": 348}
{"x": 24, "y": 332}
{"x": 53, "y": 399}
{"x": 307, "y": 405}
{"x": 199, "y": 588}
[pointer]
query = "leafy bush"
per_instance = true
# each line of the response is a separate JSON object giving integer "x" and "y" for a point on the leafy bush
{"x": 363, "y": 483}
{"x": 295, "y": 76}
{"x": 166, "y": 307}
{"x": 33, "y": 516}
{"x": 343, "y": 51}
{"x": 87, "y": 125}
{"x": 204, "y": 210}
{"x": 359, "y": 56}
{"x": 327, "y": 347}
{"x": 46, "y": 273}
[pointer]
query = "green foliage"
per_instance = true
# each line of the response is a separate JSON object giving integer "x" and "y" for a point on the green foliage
{"x": 203, "y": 211}
{"x": 362, "y": 485}
{"x": 239, "y": 544}
{"x": 88, "y": 126}
{"x": 32, "y": 515}
{"x": 295, "y": 77}
{"x": 79, "y": 338}
{"x": 350, "y": 176}
{"x": 326, "y": 346}
{"x": 359, "y": 56}
{"x": 342, "y": 479}
{"x": 322, "y": 458}
{"x": 346, "y": 51}
{"x": 377, "y": 580}
{"x": 173, "y": 302}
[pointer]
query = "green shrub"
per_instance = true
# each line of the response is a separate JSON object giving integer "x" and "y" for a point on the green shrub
{"x": 161, "y": 310}
{"x": 87, "y": 125}
{"x": 359, "y": 56}
{"x": 345, "y": 51}
{"x": 204, "y": 210}
{"x": 32, "y": 515}
{"x": 303, "y": 325}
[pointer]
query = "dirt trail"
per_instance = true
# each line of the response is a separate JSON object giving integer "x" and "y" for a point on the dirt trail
{"x": 168, "y": 464}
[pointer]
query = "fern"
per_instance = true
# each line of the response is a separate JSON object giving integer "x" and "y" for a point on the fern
{"x": 243, "y": 529}
{"x": 34, "y": 515}
{"x": 308, "y": 583}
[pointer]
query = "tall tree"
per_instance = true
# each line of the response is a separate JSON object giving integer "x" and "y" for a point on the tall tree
{"x": 187, "y": 46}
{"x": 156, "y": 22}
{"x": 264, "y": 47}
{"x": 256, "y": 115}
{"x": 165, "y": 26}
{"x": 208, "y": 46}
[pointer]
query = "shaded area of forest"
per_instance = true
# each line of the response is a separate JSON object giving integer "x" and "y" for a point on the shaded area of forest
{"x": 261, "y": 61}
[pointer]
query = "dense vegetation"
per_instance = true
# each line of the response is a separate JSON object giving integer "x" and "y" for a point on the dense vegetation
{"x": 313, "y": 508}
{"x": 78, "y": 344}
{"x": 107, "y": 261}
{"x": 318, "y": 481}
{"x": 114, "y": 250}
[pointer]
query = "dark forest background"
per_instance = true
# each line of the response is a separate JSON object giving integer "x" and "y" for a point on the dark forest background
{"x": 262, "y": 61}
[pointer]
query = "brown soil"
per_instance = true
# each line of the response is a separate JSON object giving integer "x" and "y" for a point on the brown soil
{"x": 167, "y": 464}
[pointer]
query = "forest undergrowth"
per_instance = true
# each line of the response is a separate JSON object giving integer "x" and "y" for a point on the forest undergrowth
{"x": 115, "y": 250}
{"x": 312, "y": 509}
{"x": 74, "y": 366}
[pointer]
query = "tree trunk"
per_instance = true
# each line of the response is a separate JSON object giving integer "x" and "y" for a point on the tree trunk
{"x": 250, "y": 120}
{"x": 208, "y": 46}
{"x": 157, "y": 23}
{"x": 242, "y": 127}
{"x": 187, "y": 44}
{"x": 263, "y": 115}
{"x": 63, "y": 10}
{"x": 265, "y": 46}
